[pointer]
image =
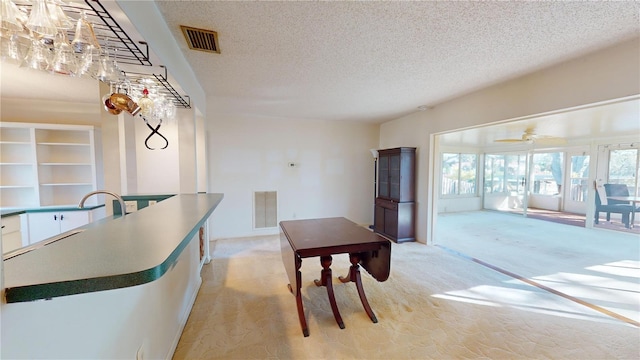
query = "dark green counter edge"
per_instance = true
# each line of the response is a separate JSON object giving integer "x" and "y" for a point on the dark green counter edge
{"x": 7, "y": 213}
{"x": 65, "y": 288}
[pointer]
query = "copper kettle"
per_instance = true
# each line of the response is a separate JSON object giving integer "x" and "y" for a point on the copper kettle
{"x": 108, "y": 106}
{"x": 119, "y": 102}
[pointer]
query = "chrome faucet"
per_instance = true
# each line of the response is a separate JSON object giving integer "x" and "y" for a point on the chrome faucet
{"x": 123, "y": 208}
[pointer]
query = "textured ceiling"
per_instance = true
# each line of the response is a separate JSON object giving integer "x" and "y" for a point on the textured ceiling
{"x": 376, "y": 61}
{"x": 364, "y": 61}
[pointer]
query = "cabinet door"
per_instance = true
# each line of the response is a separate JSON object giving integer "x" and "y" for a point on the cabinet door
{"x": 383, "y": 176}
{"x": 43, "y": 225}
{"x": 394, "y": 177}
{"x": 11, "y": 237}
{"x": 391, "y": 222}
{"x": 73, "y": 219}
{"x": 378, "y": 222}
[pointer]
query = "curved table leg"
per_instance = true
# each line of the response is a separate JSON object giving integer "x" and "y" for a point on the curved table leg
{"x": 325, "y": 280}
{"x": 303, "y": 321}
{"x": 354, "y": 276}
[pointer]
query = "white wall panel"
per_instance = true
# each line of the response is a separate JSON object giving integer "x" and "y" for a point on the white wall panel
{"x": 332, "y": 173}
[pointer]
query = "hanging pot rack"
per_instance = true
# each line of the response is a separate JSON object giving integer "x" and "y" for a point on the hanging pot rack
{"x": 126, "y": 51}
{"x": 167, "y": 90}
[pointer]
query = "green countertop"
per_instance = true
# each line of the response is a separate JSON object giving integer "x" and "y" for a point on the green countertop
{"x": 110, "y": 253}
{"x": 14, "y": 211}
{"x": 147, "y": 196}
{"x": 142, "y": 197}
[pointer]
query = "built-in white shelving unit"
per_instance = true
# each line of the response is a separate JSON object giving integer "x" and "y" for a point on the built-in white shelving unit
{"x": 46, "y": 164}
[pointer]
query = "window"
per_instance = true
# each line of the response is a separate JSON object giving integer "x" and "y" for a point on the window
{"x": 547, "y": 173}
{"x": 504, "y": 173}
{"x": 623, "y": 168}
{"x": 494, "y": 173}
{"x": 579, "y": 178}
{"x": 459, "y": 174}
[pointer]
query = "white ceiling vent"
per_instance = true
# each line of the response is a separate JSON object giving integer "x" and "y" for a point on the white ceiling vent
{"x": 200, "y": 39}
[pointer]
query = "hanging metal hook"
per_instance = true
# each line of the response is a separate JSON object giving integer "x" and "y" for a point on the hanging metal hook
{"x": 154, "y": 131}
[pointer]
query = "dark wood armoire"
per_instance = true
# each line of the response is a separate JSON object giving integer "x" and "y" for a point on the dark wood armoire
{"x": 395, "y": 201}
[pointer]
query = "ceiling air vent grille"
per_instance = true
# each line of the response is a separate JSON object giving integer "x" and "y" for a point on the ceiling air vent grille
{"x": 199, "y": 39}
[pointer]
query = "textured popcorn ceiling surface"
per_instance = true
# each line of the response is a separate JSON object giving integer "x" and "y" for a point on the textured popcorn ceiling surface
{"x": 376, "y": 61}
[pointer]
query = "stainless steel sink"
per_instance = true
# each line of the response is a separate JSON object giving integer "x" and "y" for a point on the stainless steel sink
{"x": 40, "y": 244}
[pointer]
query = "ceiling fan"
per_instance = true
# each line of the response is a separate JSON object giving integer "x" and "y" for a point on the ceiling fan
{"x": 530, "y": 137}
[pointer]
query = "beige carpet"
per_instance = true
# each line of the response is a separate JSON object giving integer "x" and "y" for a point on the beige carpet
{"x": 434, "y": 305}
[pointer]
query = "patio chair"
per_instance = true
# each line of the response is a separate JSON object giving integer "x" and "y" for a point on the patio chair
{"x": 616, "y": 190}
{"x": 610, "y": 206}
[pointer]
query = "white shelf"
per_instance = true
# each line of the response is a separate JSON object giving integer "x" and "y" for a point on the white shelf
{"x": 11, "y": 133}
{"x": 57, "y": 160}
{"x": 63, "y": 144}
{"x": 64, "y": 164}
{"x": 3, "y": 142}
{"x": 66, "y": 184}
{"x": 16, "y": 152}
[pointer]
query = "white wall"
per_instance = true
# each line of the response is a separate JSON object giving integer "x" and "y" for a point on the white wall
{"x": 201, "y": 153}
{"x": 605, "y": 75}
{"x": 187, "y": 150}
{"x": 470, "y": 203}
{"x": 332, "y": 176}
{"x": 171, "y": 170}
{"x": 547, "y": 202}
{"x": 50, "y": 112}
{"x": 127, "y": 148}
{"x": 159, "y": 169}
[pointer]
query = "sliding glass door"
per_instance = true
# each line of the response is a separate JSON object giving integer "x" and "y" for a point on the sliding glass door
{"x": 577, "y": 182}
{"x": 547, "y": 173}
{"x": 505, "y": 186}
{"x": 619, "y": 164}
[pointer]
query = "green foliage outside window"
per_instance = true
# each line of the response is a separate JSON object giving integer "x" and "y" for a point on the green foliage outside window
{"x": 459, "y": 174}
{"x": 623, "y": 168}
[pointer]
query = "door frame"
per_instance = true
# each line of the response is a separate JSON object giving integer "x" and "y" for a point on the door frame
{"x": 569, "y": 205}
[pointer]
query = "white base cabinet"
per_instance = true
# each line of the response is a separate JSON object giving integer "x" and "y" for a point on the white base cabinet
{"x": 43, "y": 225}
{"x": 12, "y": 229}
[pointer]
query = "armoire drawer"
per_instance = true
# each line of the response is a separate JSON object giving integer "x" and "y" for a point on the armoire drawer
{"x": 387, "y": 204}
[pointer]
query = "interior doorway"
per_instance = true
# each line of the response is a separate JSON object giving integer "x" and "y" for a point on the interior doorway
{"x": 546, "y": 184}
{"x": 619, "y": 164}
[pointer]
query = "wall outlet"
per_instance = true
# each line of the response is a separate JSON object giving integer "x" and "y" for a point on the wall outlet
{"x": 131, "y": 206}
{"x": 152, "y": 202}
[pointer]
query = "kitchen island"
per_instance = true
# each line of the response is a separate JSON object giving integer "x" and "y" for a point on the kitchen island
{"x": 121, "y": 288}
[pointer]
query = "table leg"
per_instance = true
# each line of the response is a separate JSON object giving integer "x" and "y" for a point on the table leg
{"x": 325, "y": 280}
{"x": 293, "y": 263}
{"x": 303, "y": 321}
{"x": 354, "y": 276}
